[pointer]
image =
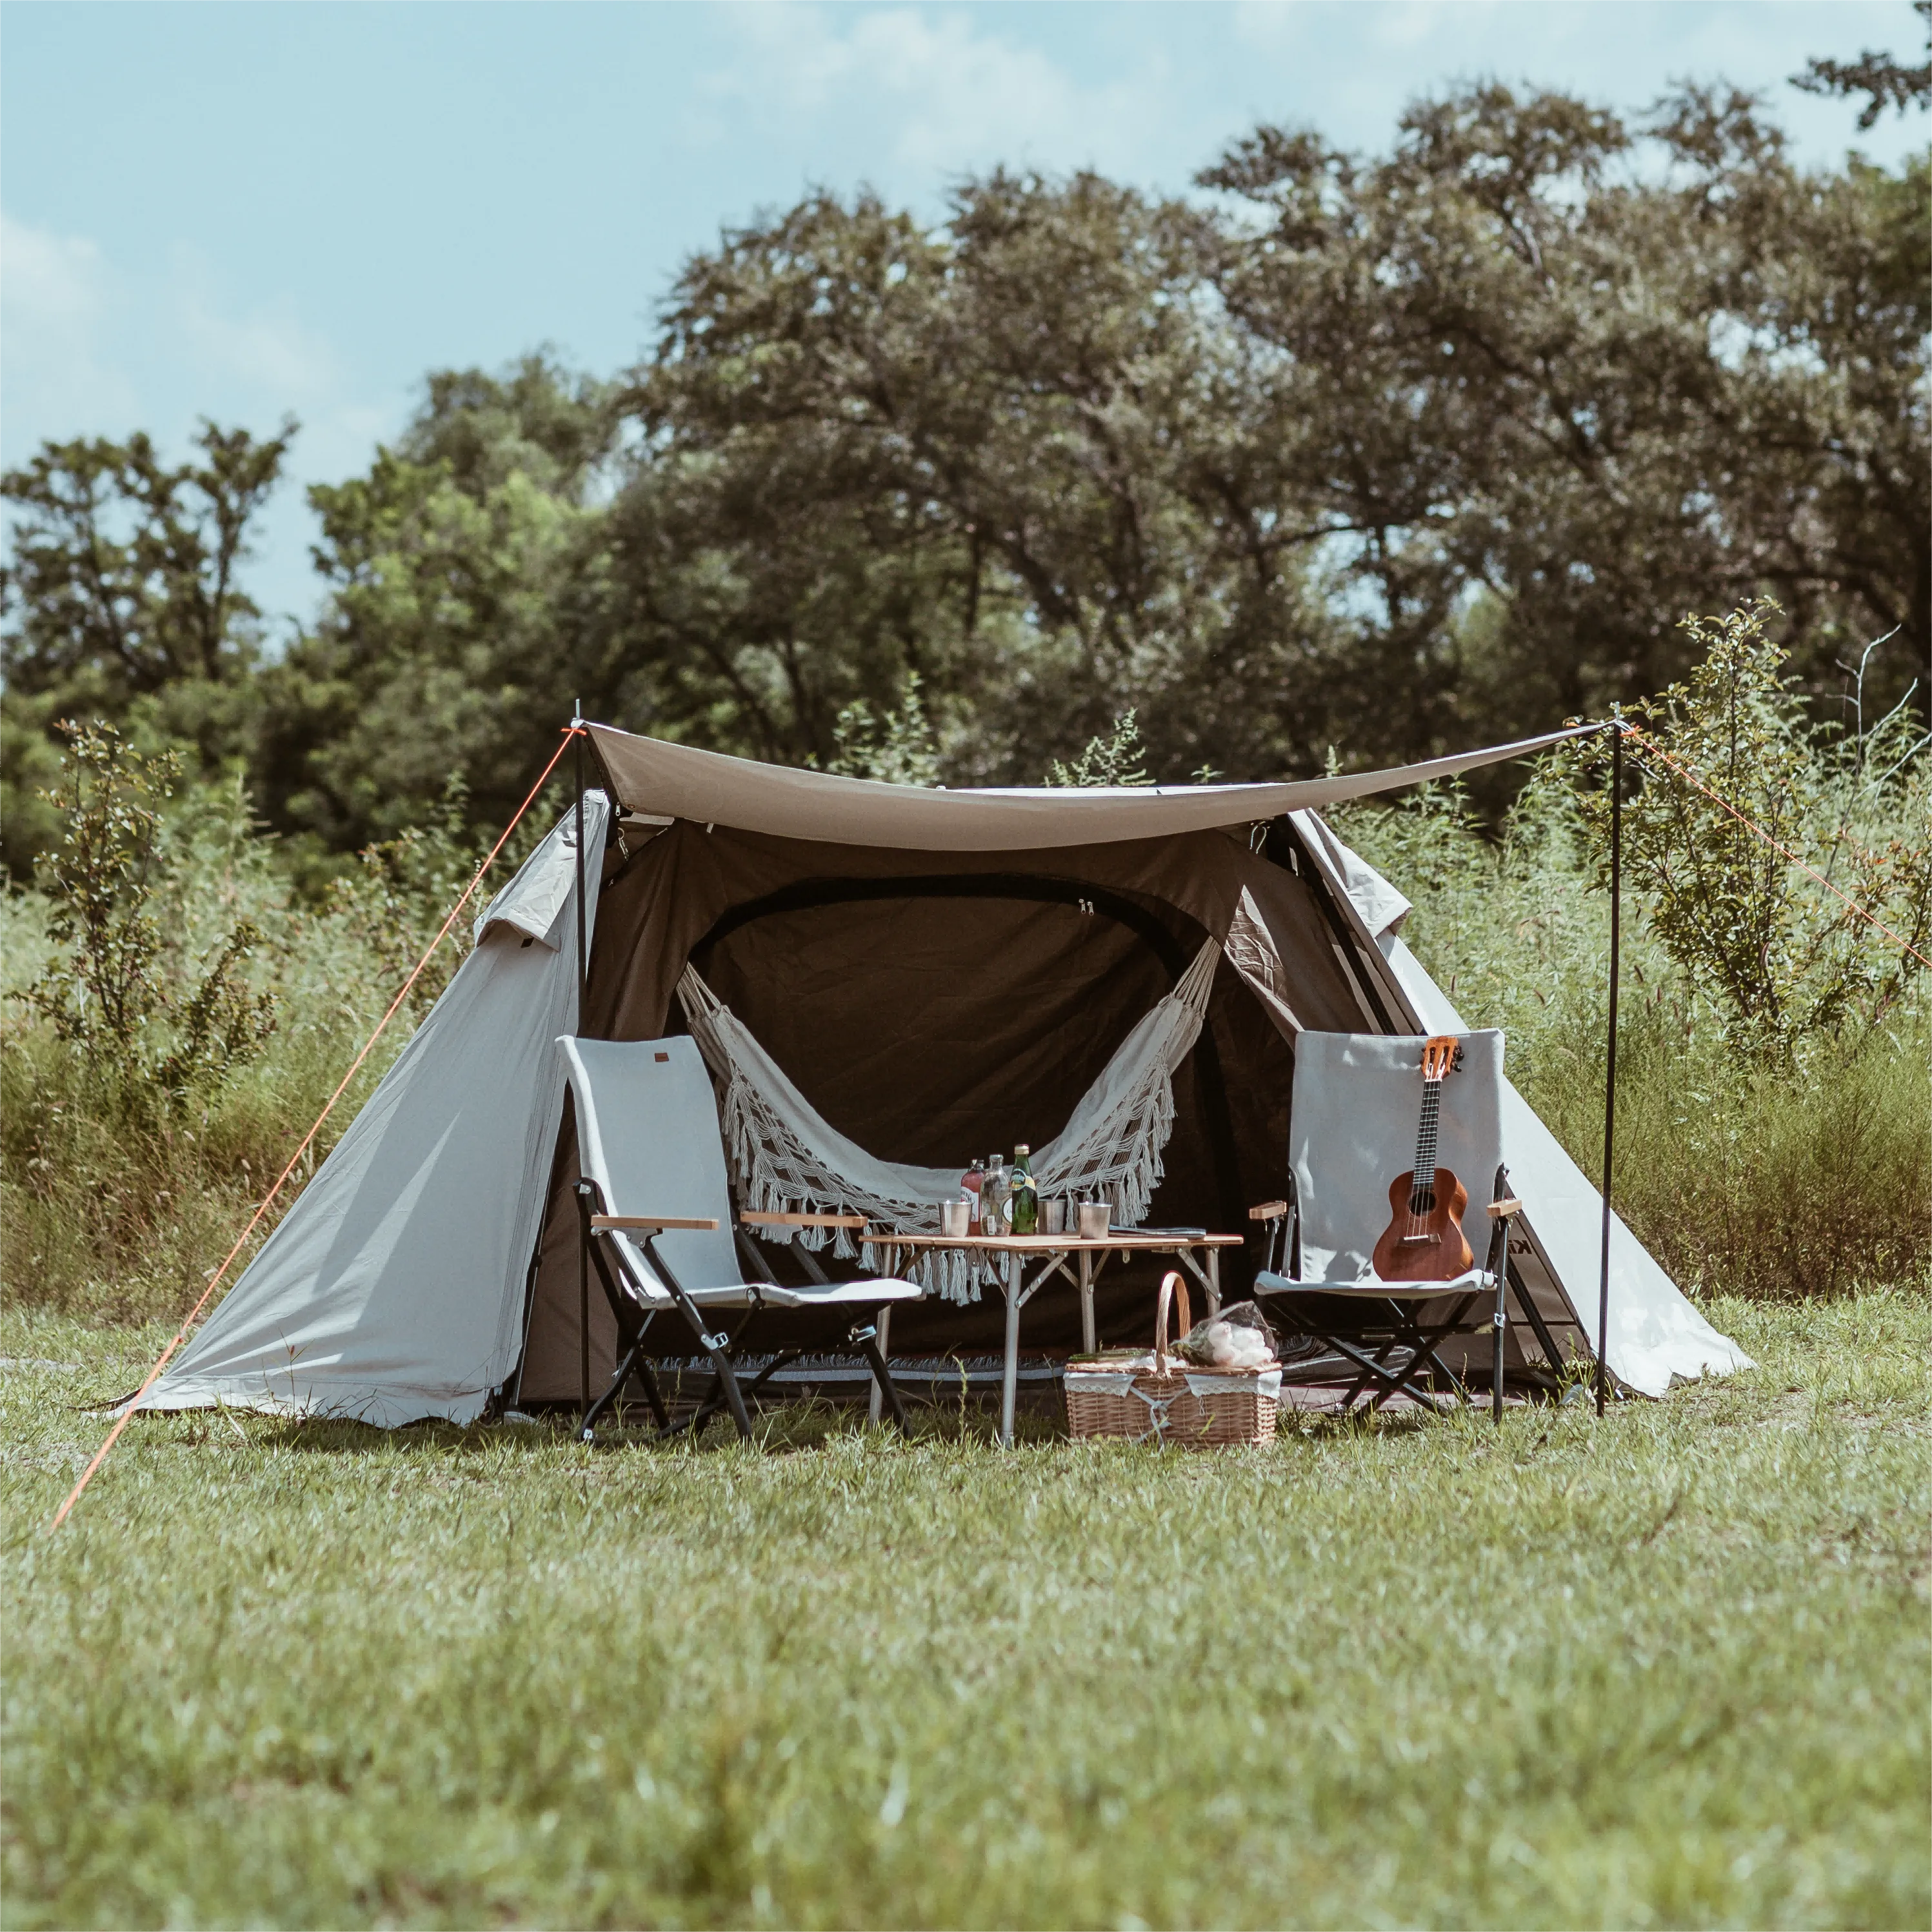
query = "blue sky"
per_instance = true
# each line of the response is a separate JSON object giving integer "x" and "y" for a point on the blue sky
{"x": 236, "y": 211}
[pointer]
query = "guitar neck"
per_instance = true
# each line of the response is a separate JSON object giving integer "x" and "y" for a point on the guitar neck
{"x": 1426, "y": 1140}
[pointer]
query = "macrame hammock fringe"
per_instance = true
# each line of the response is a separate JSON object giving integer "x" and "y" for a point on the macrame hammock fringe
{"x": 786, "y": 1160}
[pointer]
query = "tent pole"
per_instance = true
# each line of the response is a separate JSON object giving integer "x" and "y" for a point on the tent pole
{"x": 582, "y": 974}
{"x": 1610, "y": 1044}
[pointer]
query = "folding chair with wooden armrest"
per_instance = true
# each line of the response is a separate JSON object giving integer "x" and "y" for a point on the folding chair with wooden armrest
{"x": 649, "y": 1152}
{"x": 1357, "y": 1122}
{"x": 1408, "y": 1330}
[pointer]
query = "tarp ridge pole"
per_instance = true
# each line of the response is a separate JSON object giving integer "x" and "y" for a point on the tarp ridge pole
{"x": 583, "y": 977}
{"x": 302, "y": 1146}
{"x": 1610, "y": 1044}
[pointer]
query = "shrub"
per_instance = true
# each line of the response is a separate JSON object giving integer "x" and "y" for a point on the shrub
{"x": 150, "y": 1029}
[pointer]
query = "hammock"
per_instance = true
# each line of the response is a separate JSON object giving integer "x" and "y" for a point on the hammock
{"x": 785, "y": 1159}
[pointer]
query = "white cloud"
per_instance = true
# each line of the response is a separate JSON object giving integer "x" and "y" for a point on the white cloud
{"x": 1329, "y": 29}
{"x": 929, "y": 91}
{"x": 56, "y": 295}
{"x": 267, "y": 349}
{"x": 47, "y": 280}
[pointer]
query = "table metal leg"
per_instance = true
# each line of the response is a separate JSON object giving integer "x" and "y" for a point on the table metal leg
{"x": 884, "y": 1325}
{"x": 1087, "y": 1341}
{"x": 1214, "y": 1283}
{"x": 1010, "y": 1369}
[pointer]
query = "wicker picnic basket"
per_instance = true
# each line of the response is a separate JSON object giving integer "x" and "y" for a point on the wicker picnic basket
{"x": 1125, "y": 1392}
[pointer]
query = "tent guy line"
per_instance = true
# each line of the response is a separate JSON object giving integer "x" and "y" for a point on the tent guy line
{"x": 100, "y": 1455}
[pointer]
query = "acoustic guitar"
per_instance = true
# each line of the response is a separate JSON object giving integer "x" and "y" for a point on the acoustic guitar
{"x": 1424, "y": 1241}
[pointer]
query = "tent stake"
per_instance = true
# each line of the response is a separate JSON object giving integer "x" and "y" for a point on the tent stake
{"x": 1610, "y": 1045}
{"x": 583, "y": 975}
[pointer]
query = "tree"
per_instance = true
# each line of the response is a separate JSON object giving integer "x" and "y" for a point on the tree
{"x": 456, "y": 569}
{"x": 1537, "y": 382}
{"x": 122, "y": 602}
{"x": 1884, "y": 82}
{"x": 1004, "y": 455}
{"x": 128, "y": 614}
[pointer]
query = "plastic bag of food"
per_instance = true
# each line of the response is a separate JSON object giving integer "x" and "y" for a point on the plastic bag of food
{"x": 1239, "y": 1337}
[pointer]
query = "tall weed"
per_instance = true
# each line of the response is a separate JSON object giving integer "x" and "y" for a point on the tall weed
{"x": 119, "y": 1211}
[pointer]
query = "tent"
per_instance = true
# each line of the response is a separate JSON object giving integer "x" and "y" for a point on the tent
{"x": 938, "y": 974}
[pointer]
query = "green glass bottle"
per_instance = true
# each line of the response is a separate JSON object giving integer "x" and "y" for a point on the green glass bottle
{"x": 1025, "y": 1192}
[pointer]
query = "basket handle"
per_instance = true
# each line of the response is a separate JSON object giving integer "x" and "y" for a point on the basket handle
{"x": 1170, "y": 1285}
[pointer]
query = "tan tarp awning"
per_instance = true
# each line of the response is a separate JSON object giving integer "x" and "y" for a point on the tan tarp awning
{"x": 653, "y": 776}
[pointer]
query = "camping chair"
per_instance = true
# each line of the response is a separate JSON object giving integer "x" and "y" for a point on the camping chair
{"x": 1357, "y": 1115}
{"x": 654, "y": 1209}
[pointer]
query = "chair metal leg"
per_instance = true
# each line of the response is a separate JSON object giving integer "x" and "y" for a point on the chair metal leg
{"x": 654, "y": 1396}
{"x": 1499, "y": 1320}
{"x": 1538, "y": 1326}
{"x": 1502, "y": 1322}
{"x": 714, "y": 1397}
{"x": 717, "y": 1347}
{"x": 587, "y": 1427}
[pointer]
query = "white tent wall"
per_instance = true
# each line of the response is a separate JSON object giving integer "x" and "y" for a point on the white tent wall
{"x": 393, "y": 1289}
{"x": 1655, "y": 1332}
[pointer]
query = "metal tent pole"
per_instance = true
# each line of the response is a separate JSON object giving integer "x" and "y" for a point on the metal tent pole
{"x": 1610, "y": 1047}
{"x": 583, "y": 975}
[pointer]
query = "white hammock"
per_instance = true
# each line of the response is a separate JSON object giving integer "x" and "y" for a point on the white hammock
{"x": 786, "y": 1160}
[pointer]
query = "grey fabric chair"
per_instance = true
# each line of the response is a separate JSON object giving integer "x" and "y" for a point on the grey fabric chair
{"x": 654, "y": 1209}
{"x": 1359, "y": 1119}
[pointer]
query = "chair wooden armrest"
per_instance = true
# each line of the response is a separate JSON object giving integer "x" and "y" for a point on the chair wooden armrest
{"x": 1506, "y": 1209}
{"x": 657, "y": 1223}
{"x": 1269, "y": 1210}
{"x": 758, "y": 1218}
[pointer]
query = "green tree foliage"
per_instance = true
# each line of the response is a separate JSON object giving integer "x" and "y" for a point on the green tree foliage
{"x": 458, "y": 570}
{"x": 123, "y": 602}
{"x": 1540, "y": 382}
{"x": 1358, "y": 457}
{"x": 984, "y": 452}
{"x": 1885, "y": 82}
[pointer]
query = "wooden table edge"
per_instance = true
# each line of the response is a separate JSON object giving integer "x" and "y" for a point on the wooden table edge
{"x": 1058, "y": 1244}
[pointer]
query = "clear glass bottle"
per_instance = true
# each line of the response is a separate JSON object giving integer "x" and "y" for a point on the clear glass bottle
{"x": 972, "y": 1183}
{"x": 993, "y": 1197}
{"x": 1025, "y": 1215}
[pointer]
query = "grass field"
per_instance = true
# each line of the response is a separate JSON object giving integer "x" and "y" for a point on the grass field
{"x": 1671, "y": 1669}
